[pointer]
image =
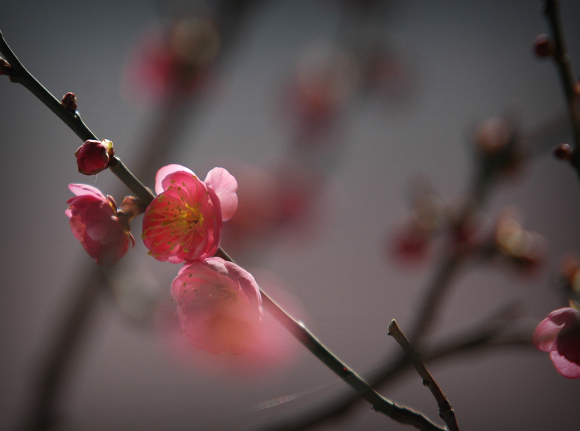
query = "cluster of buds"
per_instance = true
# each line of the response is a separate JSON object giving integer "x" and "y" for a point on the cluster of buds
{"x": 523, "y": 248}
{"x": 428, "y": 217}
{"x": 174, "y": 60}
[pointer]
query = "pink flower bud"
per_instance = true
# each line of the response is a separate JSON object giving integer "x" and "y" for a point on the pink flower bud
{"x": 94, "y": 221}
{"x": 94, "y": 156}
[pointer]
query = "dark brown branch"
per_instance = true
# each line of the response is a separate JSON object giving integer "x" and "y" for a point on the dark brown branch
{"x": 562, "y": 60}
{"x": 445, "y": 410}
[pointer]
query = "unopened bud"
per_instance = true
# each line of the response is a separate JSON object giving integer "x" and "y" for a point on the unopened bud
{"x": 564, "y": 152}
{"x": 69, "y": 101}
{"x": 543, "y": 46}
{"x": 94, "y": 156}
{"x": 493, "y": 135}
{"x": 5, "y": 68}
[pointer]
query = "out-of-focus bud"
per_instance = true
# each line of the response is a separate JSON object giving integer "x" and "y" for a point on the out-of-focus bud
{"x": 568, "y": 278}
{"x": 410, "y": 244}
{"x": 543, "y": 46}
{"x": 173, "y": 60}
{"x": 195, "y": 40}
{"x": 525, "y": 249}
{"x": 564, "y": 152}
{"x": 94, "y": 156}
{"x": 493, "y": 135}
{"x": 326, "y": 78}
{"x": 69, "y": 101}
{"x": 498, "y": 145}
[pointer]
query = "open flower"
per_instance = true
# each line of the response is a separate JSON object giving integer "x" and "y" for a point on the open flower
{"x": 218, "y": 305}
{"x": 94, "y": 221}
{"x": 184, "y": 221}
{"x": 559, "y": 334}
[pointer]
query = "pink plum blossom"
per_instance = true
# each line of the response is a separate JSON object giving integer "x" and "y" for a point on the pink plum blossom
{"x": 218, "y": 305}
{"x": 94, "y": 221}
{"x": 559, "y": 334}
{"x": 184, "y": 221}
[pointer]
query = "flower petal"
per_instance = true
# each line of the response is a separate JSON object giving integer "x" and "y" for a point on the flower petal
{"x": 547, "y": 331}
{"x": 164, "y": 171}
{"x": 85, "y": 189}
{"x": 545, "y": 334}
{"x": 218, "y": 305}
{"x": 566, "y": 368}
{"x": 225, "y": 186}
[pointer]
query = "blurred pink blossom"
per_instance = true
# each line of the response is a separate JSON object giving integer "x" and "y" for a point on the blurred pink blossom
{"x": 94, "y": 221}
{"x": 94, "y": 156}
{"x": 184, "y": 221}
{"x": 218, "y": 305}
{"x": 172, "y": 59}
{"x": 271, "y": 350}
{"x": 559, "y": 334}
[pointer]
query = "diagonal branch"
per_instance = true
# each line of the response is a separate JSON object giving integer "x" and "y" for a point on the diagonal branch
{"x": 379, "y": 403}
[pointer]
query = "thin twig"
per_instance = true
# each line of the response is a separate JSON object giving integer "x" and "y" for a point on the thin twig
{"x": 564, "y": 66}
{"x": 445, "y": 410}
{"x": 493, "y": 333}
{"x": 379, "y": 403}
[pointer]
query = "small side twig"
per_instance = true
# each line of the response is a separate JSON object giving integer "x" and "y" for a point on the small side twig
{"x": 445, "y": 410}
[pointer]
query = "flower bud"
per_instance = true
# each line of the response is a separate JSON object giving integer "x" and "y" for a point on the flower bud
{"x": 69, "y": 101}
{"x": 564, "y": 152}
{"x": 5, "y": 68}
{"x": 493, "y": 135}
{"x": 543, "y": 46}
{"x": 94, "y": 156}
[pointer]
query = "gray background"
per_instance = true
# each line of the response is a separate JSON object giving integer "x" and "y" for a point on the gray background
{"x": 469, "y": 60}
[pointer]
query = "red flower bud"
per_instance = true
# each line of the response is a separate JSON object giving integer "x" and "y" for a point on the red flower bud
{"x": 543, "y": 46}
{"x": 94, "y": 156}
{"x": 564, "y": 152}
{"x": 69, "y": 101}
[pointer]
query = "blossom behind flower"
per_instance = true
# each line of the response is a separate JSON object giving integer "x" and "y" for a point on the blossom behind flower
{"x": 184, "y": 221}
{"x": 94, "y": 221}
{"x": 559, "y": 334}
{"x": 218, "y": 305}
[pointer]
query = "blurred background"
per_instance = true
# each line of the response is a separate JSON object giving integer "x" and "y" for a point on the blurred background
{"x": 327, "y": 112}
